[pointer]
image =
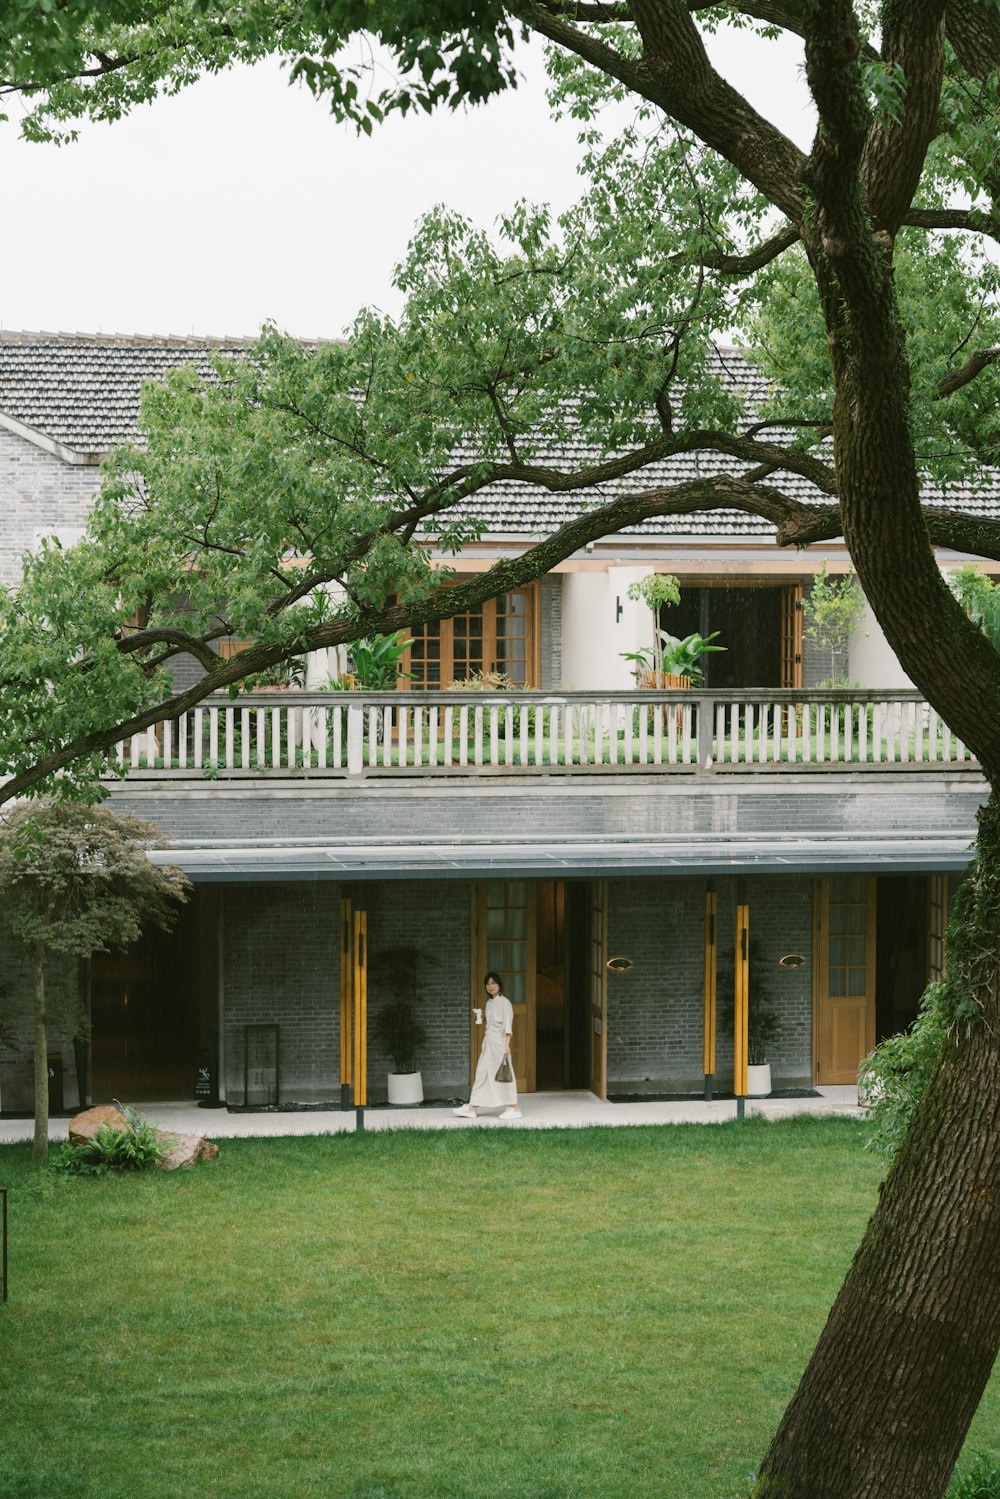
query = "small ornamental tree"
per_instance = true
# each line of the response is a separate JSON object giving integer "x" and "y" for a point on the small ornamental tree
{"x": 833, "y": 609}
{"x": 655, "y": 590}
{"x": 75, "y": 880}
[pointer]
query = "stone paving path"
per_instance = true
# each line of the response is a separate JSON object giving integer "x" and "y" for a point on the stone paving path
{"x": 540, "y": 1110}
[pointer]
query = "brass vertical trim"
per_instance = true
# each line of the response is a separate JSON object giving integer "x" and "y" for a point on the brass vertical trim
{"x": 710, "y": 983}
{"x": 741, "y": 998}
{"x": 360, "y": 1009}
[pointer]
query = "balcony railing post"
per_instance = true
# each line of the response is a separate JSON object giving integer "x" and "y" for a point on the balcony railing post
{"x": 355, "y": 738}
{"x": 706, "y": 721}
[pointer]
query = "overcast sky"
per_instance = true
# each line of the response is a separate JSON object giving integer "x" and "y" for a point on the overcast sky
{"x": 241, "y": 200}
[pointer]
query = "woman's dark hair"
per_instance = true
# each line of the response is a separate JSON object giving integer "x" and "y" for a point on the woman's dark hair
{"x": 496, "y": 976}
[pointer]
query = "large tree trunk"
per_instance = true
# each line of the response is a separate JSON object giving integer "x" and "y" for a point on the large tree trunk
{"x": 40, "y": 1145}
{"x": 887, "y": 1398}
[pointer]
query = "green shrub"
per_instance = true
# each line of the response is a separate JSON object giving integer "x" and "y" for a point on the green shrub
{"x": 981, "y": 1481}
{"x": 893, "y": 1077}
{"x": 134, "y": 1148}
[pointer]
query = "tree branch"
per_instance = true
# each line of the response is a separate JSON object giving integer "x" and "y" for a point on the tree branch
{"x": 797, "y": 525}
{"x": 893, "y": 159}
{"x": 676, "y": 75}
{"x": 972, "y": 367}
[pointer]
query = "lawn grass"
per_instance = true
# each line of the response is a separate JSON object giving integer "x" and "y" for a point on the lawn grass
{"x": 425, "y": 1315}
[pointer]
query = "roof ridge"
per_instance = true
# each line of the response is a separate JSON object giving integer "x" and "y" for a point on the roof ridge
{"x": 124, "y": 340}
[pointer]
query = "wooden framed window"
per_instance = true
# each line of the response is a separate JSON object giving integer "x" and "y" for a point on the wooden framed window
{"x": 500, "y": 635}
{"x": 937, "y": 923}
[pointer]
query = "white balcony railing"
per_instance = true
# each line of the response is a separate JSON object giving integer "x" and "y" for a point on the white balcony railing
{"x": 440, "y": 733}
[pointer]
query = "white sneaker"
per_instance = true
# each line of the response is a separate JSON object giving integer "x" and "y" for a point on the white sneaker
{"x": 464, "y": 1112}
{"x": 511, "y": 1113}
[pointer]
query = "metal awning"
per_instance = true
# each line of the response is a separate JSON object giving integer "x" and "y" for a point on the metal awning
{"x": 579, "y": 856}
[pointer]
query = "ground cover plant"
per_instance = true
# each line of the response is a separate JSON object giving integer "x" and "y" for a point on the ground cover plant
{"x": 428, "y": 1315}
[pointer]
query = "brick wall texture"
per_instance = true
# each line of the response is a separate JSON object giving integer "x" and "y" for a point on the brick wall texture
{"x": 39, "y": 494}
{"x": 282, "y": 965}
{"x": 655, "y": 1009}
{"x": 552, "y": 597}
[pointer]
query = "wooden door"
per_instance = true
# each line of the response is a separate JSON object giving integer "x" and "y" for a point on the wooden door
{"x": 505, "y": 942}
{"x": 843, "y": 976}
{"x": 791, "y": 635}
{"x": 598, "y": 984}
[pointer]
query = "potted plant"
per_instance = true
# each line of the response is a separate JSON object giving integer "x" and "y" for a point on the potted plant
{"x": 654, "y": 590}
{"x": 400, "y": 1033}
{"x": 670, "y": 662}
{"x": 396, "y": 1027}
{"x": 762, "y": 1027}
{"x": 681, "y": 658}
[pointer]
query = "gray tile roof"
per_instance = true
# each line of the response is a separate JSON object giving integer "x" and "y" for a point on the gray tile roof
{"x": 82, "y": 390}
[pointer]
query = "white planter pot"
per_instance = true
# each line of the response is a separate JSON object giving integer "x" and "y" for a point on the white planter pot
{"x": 406, "y": 1088}
{"x": 759, "y": 1081}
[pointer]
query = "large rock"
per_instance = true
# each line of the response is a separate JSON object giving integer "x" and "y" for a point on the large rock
{"x": 185, "y": 1150}
{"x": 181, "y": 1150}
{"x": 83, "y": 1127}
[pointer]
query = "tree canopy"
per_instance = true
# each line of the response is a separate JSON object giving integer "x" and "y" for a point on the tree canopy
{"x": 342, "y": 463}
{"x": 75, "y": 880}
{"x": 860, "y": 275}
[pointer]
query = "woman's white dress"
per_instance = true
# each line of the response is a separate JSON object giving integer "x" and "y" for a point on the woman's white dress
{"x": 487, "y": 1093}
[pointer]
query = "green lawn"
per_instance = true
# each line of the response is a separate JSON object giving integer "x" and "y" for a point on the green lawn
{"x": 424, "y": 1315}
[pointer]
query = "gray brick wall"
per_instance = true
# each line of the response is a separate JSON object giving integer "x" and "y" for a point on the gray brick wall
{"x": 38, "y": 493}
{"x": 556, "y": 806}
{"x": 280, "y": 966}
{"x": 655, "y": 1009}
{"x": 282, "y": 956}
{"x": 436, "y": 920}
{"x": 552, "y": 597}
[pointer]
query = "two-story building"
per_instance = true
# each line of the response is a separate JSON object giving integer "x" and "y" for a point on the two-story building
{"x": 594, "y": 841}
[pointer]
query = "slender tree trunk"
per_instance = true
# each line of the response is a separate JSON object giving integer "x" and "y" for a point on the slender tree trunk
{"x": 888, "y": 1395}
{"x": 40, "y": 1145}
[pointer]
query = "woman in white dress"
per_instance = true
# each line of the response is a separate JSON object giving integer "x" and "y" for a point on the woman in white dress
{"x": 487, "y": 1093}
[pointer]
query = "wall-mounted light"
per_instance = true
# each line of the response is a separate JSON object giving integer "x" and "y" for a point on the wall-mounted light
{"x": 619, "y": 965}
{"x": 792, "y": 960}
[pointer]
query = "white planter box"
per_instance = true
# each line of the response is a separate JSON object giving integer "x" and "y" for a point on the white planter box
{"x": 406, "y": 1088}
{"x": 759, "y": 1081}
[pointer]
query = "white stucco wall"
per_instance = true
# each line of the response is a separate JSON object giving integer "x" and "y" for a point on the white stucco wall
{"x": 871, "y": 660}
{"x": 593, "y": 634}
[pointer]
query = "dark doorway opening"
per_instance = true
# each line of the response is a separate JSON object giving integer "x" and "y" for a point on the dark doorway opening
{"x": 900, "y": 951}
{"x": 145, "y": 1015}
{"x": 550, "y": 985}
{"x": 561, "y": 977}
{"x": 749, "y": 625}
